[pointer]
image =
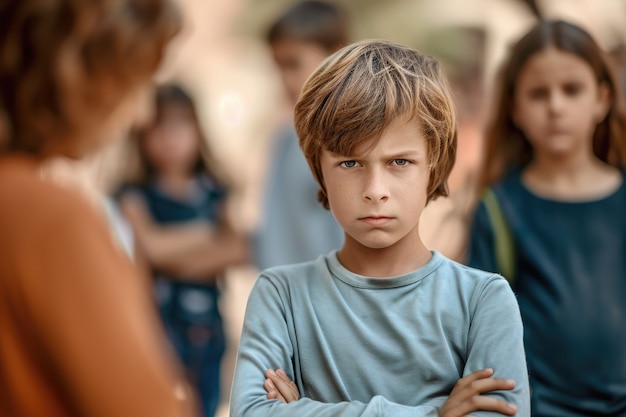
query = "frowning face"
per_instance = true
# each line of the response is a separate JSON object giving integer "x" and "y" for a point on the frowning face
{"x": 378, "y": 194}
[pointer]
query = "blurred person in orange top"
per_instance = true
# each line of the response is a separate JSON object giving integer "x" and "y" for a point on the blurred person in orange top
{"x": 80, "y": 335}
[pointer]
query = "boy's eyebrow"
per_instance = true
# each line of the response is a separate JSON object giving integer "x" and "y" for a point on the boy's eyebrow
{"x": 407, "y": 153}
{"x": 391, "y": 155}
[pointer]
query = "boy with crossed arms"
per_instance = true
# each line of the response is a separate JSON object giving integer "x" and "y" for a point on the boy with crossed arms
{"x": 383, "y": 326}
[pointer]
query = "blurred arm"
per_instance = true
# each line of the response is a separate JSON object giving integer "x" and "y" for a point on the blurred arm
{"x": 194, "y": 250}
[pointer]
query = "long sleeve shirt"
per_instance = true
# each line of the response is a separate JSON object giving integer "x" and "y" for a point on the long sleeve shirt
{"x": 359, "y": 346}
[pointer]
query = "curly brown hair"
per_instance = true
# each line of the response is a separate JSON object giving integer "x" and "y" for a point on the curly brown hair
{"x": 66, "y": 65}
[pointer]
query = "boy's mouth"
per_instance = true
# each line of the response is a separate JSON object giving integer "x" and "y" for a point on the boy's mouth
{"x": 376, "y": 220}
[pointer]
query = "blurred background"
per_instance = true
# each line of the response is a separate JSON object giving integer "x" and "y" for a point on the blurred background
{"x": 222, "y": 57}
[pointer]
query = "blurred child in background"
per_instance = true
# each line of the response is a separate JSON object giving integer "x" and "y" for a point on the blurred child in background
{"x": 552, "y": 219}
{"x": 176, "y": 207}
{"x": 293, "y": 226}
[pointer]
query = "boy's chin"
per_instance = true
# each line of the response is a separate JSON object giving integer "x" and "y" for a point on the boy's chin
{"x": 376, "y": 244}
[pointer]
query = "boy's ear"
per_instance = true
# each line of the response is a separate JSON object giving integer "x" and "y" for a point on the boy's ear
{"x": 604, "y": 102}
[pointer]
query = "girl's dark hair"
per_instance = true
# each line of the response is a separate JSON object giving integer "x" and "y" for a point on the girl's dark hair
{"x": 319, "y": 22}
{"x": 506, "y": 145}
{"x": 167, "y": 97}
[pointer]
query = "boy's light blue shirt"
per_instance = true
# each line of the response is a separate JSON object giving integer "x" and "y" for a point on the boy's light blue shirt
{"x": 358, "y": 346}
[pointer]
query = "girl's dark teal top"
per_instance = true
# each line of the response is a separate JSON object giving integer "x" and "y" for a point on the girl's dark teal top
{"x": 570, "y": 281}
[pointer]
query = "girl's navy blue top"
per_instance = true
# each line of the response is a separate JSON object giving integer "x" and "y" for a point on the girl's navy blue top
{"x": 570, "y": 282}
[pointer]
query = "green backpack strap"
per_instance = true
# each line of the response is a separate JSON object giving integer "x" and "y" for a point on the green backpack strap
{"x": 503, "y": 238}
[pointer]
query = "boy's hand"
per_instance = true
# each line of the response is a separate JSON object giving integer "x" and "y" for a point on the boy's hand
{"x": 466, "y": 397}
{"x": 280, "y": 387}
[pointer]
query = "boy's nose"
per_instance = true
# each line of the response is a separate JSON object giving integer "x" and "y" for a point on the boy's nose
{"x": 375, "y": 188}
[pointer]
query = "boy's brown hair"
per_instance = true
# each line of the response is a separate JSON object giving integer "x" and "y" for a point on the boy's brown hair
{"x": 359, "y": 90}
{"x": 66, "y": 65}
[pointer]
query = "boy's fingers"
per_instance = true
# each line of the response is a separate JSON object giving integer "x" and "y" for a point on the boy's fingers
{"x": 480, "y": 382}
{"x": 284, "y": 376}
{"x": 275, "y": 395}
{"x": 292, "y": 385}
{"x": 481, "y": 403}
{"x": 272, "y": 392}
{"x": 466, "y": 397}
{"x": 280, "y": 387}
{"x": 482, "y": 386}
{"x": 269, "y": 385}
{"x": 284, "y": 387}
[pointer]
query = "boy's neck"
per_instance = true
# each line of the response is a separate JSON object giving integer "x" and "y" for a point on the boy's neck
{"x": 392, "y": 261}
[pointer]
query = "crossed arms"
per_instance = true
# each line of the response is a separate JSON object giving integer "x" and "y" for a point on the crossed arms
{"x": 465, "y": 398}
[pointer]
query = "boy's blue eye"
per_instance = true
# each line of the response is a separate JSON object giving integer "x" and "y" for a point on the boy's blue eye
{"x": 401, "y": 162}
{"x": 348, "y": 164}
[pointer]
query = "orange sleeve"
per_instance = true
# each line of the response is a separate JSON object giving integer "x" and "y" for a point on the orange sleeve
{"x": 95, "y": 324}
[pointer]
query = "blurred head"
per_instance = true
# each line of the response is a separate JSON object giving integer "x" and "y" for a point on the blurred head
{"x": 359, "y": 91}
{"x": 302, "y": 37}
{"x": 171, "y": 143}
{"x": 70, "y": 71}
{"x": 554, "y": 61}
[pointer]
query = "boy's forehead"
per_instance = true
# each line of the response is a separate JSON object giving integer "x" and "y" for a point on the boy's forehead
{"x": 364, "y": 145}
